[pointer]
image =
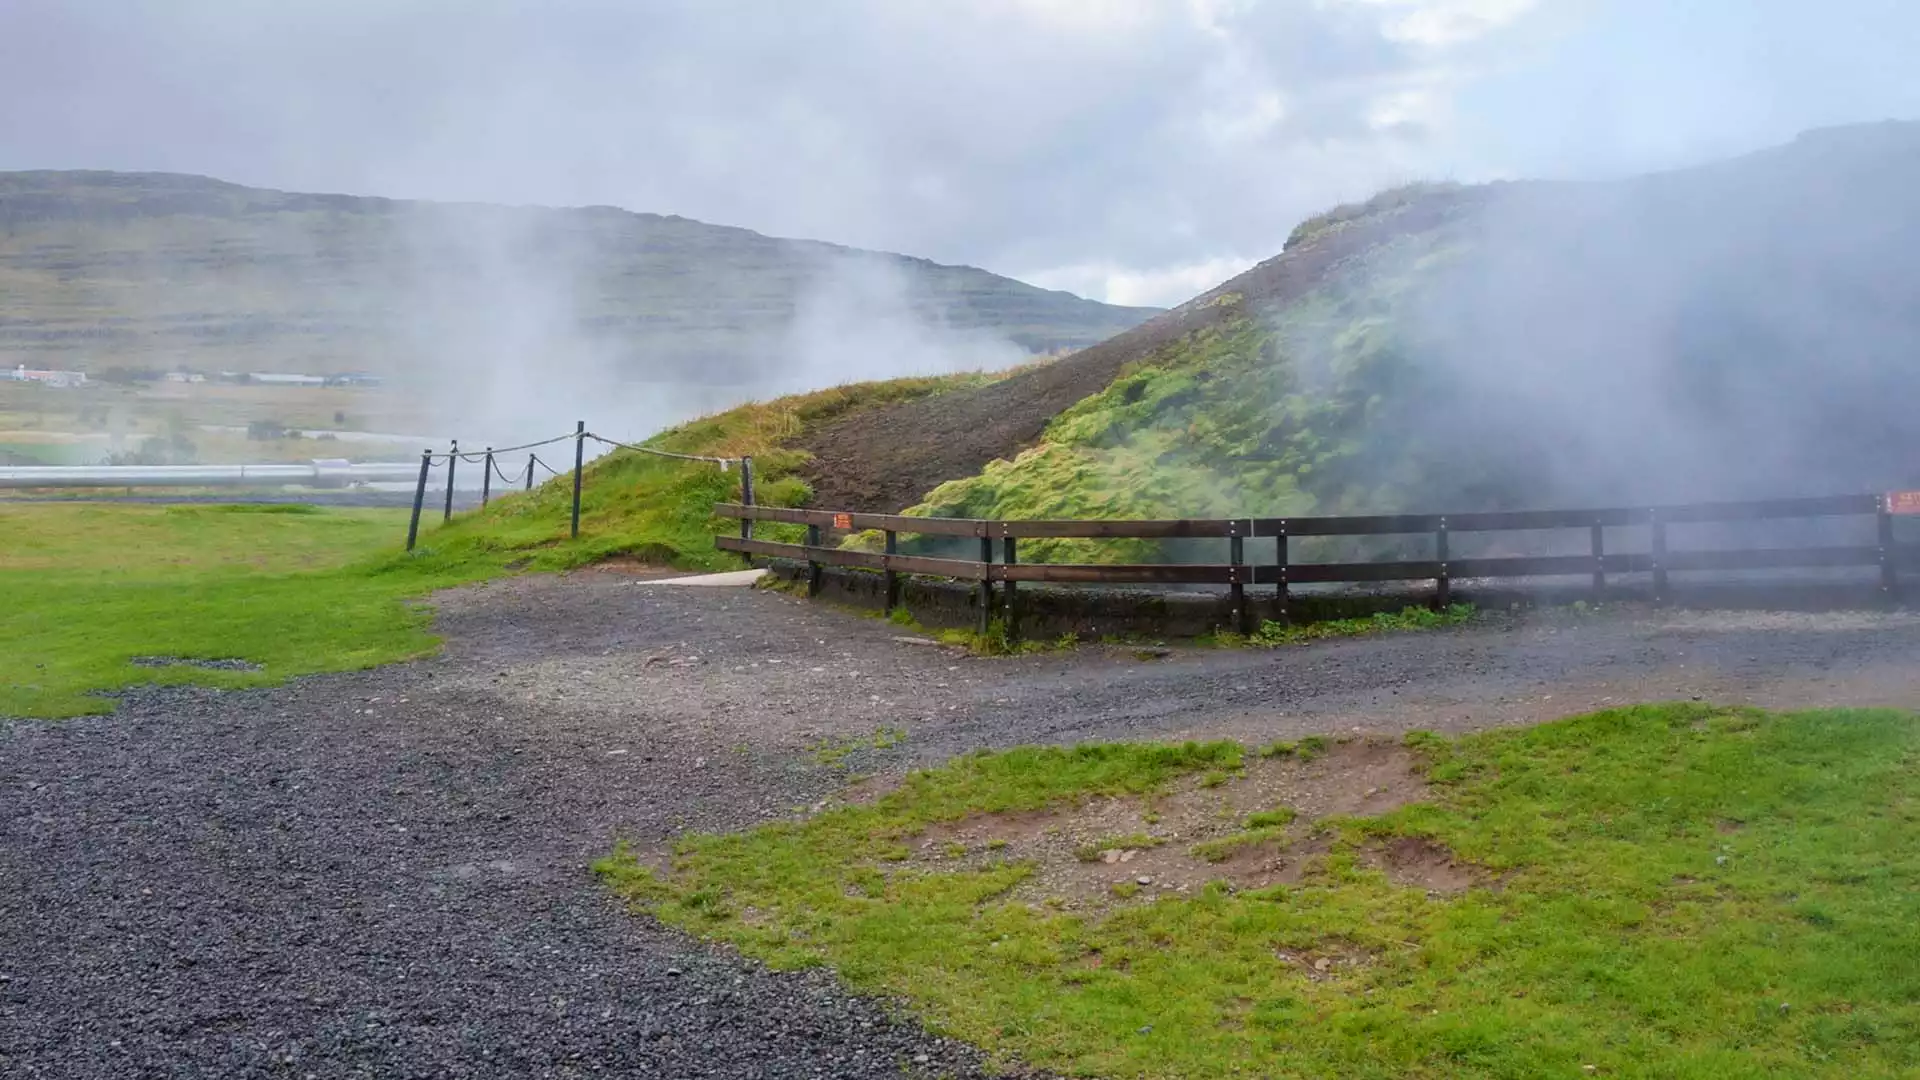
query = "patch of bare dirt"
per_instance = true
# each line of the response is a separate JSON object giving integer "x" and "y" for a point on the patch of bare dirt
{"x": 1416, "y": 862}
{"x": 1111, "y": 849}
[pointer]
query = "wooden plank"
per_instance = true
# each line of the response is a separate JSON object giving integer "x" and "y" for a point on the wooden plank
{"x": 1521, "y": 520}
{"x": 1772, "y": 558}
{"x": 1362, "y": 525}
{"x": 1126, "y": 573}
{"x": 1542, "y": 566}
{"x": 1297, "y": 573}
{"x": 1770, "y": 509}
{"x": 1132, "y": 530}
{"x": 905, "y": 564}
{"x": 833, "y": 519}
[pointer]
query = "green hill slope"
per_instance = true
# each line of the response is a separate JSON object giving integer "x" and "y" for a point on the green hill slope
{"x": 1744, "y": 329}
{"x": 100, "y": 269}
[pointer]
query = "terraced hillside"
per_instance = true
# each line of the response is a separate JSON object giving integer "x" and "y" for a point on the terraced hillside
{"x": 100, "y": 269}
{"x": 1745, "y": 328}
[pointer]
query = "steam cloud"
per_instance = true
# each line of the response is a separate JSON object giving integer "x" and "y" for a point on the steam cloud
{"x": 1740, "y": 331}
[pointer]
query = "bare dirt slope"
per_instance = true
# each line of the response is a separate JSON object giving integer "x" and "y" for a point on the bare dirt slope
{"x": 883, "y": 460}
{"x": 385, "y": 873}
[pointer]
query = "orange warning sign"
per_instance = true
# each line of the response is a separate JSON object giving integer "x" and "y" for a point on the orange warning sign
{"x": 845, "y": 521}
{"x": 1903, "y": 502}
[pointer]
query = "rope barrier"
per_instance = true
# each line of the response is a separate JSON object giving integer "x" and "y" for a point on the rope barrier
{"x": 473, "y": 457}
{"x": 501, "y": 473}
{"x": 720, "y": 461}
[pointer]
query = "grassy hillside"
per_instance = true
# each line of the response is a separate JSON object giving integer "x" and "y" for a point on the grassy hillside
{"x": 659, "y": 510}
{"x": 1743, "y": 329}
{"x": 99, "y": 269}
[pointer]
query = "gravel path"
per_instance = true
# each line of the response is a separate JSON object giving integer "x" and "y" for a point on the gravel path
{"x": 384, "y": 873}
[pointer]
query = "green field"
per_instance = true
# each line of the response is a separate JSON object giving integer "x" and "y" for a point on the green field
{"x": 91, "y": 586}
{"x": 1657, "y": 892}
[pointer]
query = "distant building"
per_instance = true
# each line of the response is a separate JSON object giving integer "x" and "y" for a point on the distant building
{"x": 274, "y": 379}
{"x": 61, "y": 379}
{"x": 353, "y": 378}
{"x": 185, "y": 377}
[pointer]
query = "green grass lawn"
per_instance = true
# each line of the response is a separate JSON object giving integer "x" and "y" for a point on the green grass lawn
{"x": 1672, "y": 891}
{"x": 90, "y": 586}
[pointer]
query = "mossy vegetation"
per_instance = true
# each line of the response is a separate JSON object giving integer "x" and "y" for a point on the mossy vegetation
{"x": 1269, "y": 412}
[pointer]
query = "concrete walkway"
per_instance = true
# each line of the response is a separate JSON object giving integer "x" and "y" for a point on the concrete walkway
{"x": 730, "y": 579}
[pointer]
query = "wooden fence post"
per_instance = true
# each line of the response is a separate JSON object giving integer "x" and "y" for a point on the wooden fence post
{"x": 579, "y": 462}
{"x": 1659, "y": 559}
{"x": 419, "y": 498}
{"x": 1599, "y": 561}
{"x": 530, "y": 460}
{"x": 1280, "y": 559}
{"x": 1889, "y": 573}
{"x": 1011, "y": 557}
{"x": 814, "y": 569}
{"x": 1442, "y": 586}
{"x": 1237, "y": 589}
{"x": 746, "y": 497}
{"x": 486, "y": 477}
{"x": 453, "y": 458}
{"x": 986, "y": 581}
{"x": 892, "y": 575}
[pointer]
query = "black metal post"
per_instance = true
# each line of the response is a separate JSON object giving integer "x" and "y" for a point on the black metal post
{"x": 1889, "y": 572}
{"x": 1280, "y": 596}
{"x": 579, "y": 461}
{"x": 986, "y": 584}
{"x": 453, "y": 458}
{"x": 530, "y": 460}
{"x": 486, "y": 477}
{"x": 1443, "y": 586}
{"x": 1012, "y": 600}
{"x": 1599, "y": 560}
{"x": 1659, "y": 560}
{"x": 419, "y": 498}
{"x": 814, "y": 569}
{"x": 1237, "y": 556}
{"x": 893, "y": 577}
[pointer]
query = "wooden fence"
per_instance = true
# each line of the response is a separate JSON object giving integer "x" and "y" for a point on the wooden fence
{"x": 1274, "y": 565}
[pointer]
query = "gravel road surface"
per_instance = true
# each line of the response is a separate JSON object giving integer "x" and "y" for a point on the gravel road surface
{"x": 384, "y": 873}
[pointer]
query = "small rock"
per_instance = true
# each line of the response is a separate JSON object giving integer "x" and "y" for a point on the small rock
{"x": 1322, "y": 964}
{"x": 1110, "y": 856}
{"x": 1127, "y": 856}
{"x": 1144, "y": 879}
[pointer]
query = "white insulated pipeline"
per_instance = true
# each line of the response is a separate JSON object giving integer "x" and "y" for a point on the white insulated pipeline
{"x": 315, "y": 474}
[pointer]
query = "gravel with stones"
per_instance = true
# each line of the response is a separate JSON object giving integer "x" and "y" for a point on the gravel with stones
{"x": 385, "y": 873}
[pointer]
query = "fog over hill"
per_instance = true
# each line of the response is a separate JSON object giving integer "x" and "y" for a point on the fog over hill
{"x": 1746, "y": 328}
{"x": 498, "y": 310}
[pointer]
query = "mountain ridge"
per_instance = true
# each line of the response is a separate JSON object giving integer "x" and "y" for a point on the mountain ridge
{"x": 101, "y": 267}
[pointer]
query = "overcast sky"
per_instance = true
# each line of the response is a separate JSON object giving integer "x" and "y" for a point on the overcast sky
{"x": 1132, "y": 150}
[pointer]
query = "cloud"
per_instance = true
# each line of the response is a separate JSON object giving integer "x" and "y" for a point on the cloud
{"x": 1031, "y": 137}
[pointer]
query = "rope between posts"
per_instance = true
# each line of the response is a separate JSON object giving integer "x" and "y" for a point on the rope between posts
{"x": 720, "y": 461}
{"x": 501, "y": 473}
{"x": 550, "y": 469}
{"x": 469, "y": 456}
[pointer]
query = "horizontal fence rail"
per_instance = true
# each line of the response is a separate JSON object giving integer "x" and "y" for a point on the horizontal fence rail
{"x": 1280, "y": 571}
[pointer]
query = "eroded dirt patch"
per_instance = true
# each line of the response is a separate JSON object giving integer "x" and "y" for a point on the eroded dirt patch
{"x": 1251, "y": 829}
